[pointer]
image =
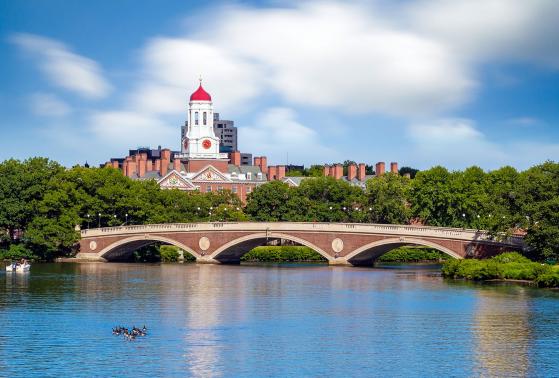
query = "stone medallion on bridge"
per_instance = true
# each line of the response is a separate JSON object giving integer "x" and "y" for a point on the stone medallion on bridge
{"x": 204, "y": 243}
{"x": 92, "y": 245}
{"x": 337, "y": 245}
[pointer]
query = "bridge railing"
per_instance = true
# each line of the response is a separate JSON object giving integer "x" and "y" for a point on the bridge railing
{"x": 369, "y": 228}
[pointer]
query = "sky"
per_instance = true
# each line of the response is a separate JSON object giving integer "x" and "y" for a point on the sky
{"x": 424, "y": 83}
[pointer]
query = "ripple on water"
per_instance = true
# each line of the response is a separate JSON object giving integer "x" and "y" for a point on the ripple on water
{"x": 271, "y": 320}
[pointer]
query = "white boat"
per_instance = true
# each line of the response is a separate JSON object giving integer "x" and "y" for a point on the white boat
{"x": 18, "y": 267}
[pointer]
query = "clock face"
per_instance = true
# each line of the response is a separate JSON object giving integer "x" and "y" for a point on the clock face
{"x": 206, "y": 143}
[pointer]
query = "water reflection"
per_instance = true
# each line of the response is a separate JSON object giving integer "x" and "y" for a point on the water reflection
{"x": 502, "y": 332}
{"x": 272, "y": 320}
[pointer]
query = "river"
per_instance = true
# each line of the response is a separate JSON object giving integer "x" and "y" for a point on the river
{"x": 285, "y": 320}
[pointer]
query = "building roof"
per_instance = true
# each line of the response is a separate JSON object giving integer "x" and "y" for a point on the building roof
{"x": 200, "y": 95}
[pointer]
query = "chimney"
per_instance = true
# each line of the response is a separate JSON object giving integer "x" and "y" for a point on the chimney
{"x": 394, "y": 167}
{"x": 108, "y": 164}
{"x": 272, "y": 172}
{"x": 361, "y": 172}
{"x": 131, "y": 168}
{"x": 332, "y": 171}
{"x": 235, "y": 158}
{"x": 149, "y": 165}
{"x": 264, "y": 164}
{"x": 281, "y": 171}
{"x": 351, "y": 171}
{"x": 338, "y": 171}
{"x": 125, "y": 167}
{"x": 379, "y": 169}
{"x": 257, "y": 161}
{"x": 326, "y": 171}
{"x": 165, "y": 161}
{"x": 157, "y": 165}
{"x": 142, "y": 166}
{"x": 114, "y": 164}
{"x": 177, "y": 164}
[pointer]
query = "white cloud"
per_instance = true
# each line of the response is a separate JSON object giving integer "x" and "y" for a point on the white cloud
{"x": 458, "y": 143}
{"x": 329, "y": 55}
{"x": 453, "y": 143}
{"x": 47, "y": 104}
{"x": 171, "y": 67}
{"x": 64, "y": 68}
{"x": 524, "y": 121}
{"x": 128, "y": 130}
{"x": 277, "y": 133}
{"x": 482, "y": 30}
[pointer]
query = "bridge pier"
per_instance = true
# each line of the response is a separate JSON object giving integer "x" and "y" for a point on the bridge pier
{"x": 206, "y": 260}
{"x": 340, "y": 261}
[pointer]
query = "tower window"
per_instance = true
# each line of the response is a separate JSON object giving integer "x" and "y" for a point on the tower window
{"x": 196, "y": 118}
{"x": 204, "y": 118}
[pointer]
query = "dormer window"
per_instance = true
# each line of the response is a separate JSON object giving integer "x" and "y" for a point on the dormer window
{"x": 196, "y": 118}
{"x": 204, "y": 118}
{"x": 249, "y": 176}
{"x": 259, "y": 175}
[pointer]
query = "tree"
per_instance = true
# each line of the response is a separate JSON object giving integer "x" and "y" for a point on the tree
{"x": 538, "y": 196}
{"x": 388, "y": 199}
{"x": 22, "y": 186}
{"x": 431, "y": 197}
{"x": 269, "y": 202}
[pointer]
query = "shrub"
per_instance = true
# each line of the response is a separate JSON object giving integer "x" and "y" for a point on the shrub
{"x": 169, "y": 253}
{"x": 16, "y": 252}
{"x": 413, "y": 254}
{"x": 511, "y": 257}
{"x": 548, "y": 280}
{"x": 282, "y": 254}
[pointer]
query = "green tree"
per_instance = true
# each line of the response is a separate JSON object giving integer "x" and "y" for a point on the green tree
{"x": 269, "y": 202}
{"x": 538, "y": 196}
{"x": 388, "y": 199}
{"x": 431, "y": 197}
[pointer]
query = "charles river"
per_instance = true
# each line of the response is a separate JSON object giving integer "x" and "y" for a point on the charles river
{"x": 286, "y": 320}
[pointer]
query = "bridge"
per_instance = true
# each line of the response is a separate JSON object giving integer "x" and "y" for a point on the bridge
{"x": 339, "y": 243}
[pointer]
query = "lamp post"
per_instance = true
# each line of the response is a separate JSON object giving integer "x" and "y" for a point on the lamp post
{"x": 114, "y": 216}
{"x": 99, "y": 220}
{"x": 88, "y": 216}
{"x": 126, "y": 219}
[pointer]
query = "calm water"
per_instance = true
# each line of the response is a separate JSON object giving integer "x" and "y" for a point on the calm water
{"x": 271, "y": 320}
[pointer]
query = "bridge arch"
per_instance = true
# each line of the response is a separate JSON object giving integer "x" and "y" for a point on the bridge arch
{"x": 235, "y": 249}
{"x": 128, "y": 245}
{"x": 369, "y": 252}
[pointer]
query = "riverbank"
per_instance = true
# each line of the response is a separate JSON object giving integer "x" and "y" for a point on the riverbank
{"x": 506, "y": 267}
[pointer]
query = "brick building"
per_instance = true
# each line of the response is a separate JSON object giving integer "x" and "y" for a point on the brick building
{"x": 202, "y": 164}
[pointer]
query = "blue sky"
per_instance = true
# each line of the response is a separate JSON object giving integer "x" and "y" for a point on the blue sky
{"x": 428, "y": 82}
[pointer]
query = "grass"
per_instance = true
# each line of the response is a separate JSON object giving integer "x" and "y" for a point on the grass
{"x": 413, "y": 254}
{"x": 506, "y": 266}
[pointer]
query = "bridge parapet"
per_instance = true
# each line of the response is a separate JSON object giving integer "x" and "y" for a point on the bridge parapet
{"x": 354, "y": 228}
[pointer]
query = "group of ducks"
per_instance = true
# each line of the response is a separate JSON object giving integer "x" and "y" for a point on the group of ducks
{"x": 129, "y": 335}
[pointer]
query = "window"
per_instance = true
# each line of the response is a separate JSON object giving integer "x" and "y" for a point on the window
{"x": 249, "y": 176}
{"x": 205, "y": 118}
{"x": 249, "y": 189}
{"x": 219, "y": 188}
{"x": 234, "y": 188}
{"x": 208, "y": 188}
{"x": 195, "y": 118}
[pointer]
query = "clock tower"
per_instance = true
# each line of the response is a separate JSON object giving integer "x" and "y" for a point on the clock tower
{"x": 200, "y": 141}
{"x": 200, "y": 145}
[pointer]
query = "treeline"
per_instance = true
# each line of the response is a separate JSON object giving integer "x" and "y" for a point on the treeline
{"x": 500, "y": 201}
{"x": 41, "y": 202}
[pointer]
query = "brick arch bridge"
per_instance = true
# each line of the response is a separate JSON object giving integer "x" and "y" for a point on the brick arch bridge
{"x": 339, "y": 243}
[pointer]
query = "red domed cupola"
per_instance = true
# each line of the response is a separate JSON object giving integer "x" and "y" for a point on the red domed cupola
{"x": 200, "y": 95}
